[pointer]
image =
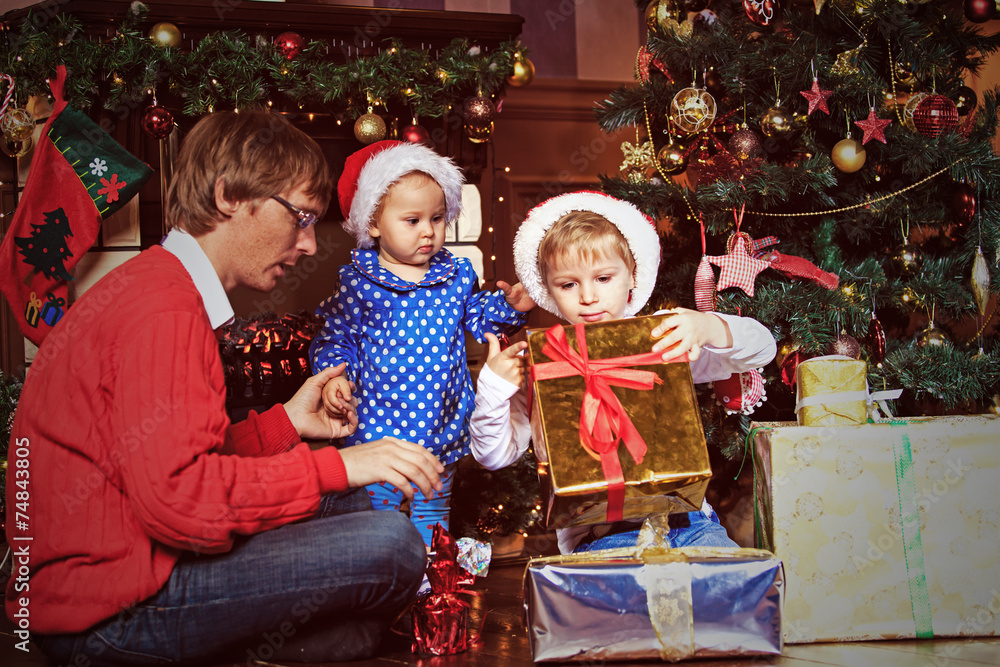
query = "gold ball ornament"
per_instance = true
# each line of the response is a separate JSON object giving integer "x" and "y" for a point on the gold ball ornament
{"x": 659, "y": 14}
{"x": 904, "y": 75}
{"x": 672, "y": 158}
{"x": 692, "y": 110}
{"x": 932, "y": 337}
{"x": 16, "y": 148}
{"x": 777, "y": 122}
{"x": 524, "y": 72}
{"x": 479, "y": 134}
{"x": 369, "y": 128}
{"x": 907, "y": 260}
{"x": 848, "y": 156}
{"x": 17, "y": 124}
{"x": 165, "y": 35}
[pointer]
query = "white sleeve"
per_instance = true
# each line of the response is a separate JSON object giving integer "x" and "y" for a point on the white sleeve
{"x": 499, "y": 429}
{"x": 753, "y": 347}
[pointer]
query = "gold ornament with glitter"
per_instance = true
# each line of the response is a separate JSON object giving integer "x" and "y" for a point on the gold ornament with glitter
{"x": 980, "y": 281}
{"x": 639, "y": 157}
{"x": 692, "y": 110}
{"x": 847, "y": 62}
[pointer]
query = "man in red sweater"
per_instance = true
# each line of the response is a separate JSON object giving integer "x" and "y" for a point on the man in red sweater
{"x": 146, "y": 527}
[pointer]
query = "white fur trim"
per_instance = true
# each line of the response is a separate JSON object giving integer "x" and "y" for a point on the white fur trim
{"x": 385, "y": 168}
{"x": 636, "y": 227}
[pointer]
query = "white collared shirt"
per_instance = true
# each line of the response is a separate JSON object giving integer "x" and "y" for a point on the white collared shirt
{"x": 184, "y": 247}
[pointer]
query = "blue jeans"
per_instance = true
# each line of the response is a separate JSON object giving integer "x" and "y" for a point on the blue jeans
{"x": 321, "y": 590}
{"x": 701, "y": 531}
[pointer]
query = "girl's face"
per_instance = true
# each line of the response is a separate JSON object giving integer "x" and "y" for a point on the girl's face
{"x": 589, "y": 290}
{"x": 411, "y": 228}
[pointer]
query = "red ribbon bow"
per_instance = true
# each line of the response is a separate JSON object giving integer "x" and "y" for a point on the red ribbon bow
{"x": 603, "y": 419}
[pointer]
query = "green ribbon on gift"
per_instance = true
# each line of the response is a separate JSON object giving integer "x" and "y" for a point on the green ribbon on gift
{"x": 909, "y": 518}
{"x": 761, "y": 537}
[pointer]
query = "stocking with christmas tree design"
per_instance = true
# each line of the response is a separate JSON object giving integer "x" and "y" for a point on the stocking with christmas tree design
{"x": 79, "y": 176}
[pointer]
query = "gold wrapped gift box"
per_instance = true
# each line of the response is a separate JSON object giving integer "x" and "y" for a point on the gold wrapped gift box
{"x": 887, "y": 531}
{"x": 674, "y": 471}
{"x": 832, "y": 391}
{"x": 670, "y": 604}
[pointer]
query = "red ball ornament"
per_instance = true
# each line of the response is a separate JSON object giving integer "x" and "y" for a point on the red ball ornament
{"x": 289, "y": 44}
{"x": 978, "y": 11}
{"x": 963, "y": 203}
{"x": 761, "y": 12}
{"x": 157, "y": 122}
{"x": 417, "y": 134}
{"x": 935, "y": 114}
{"x": 740, "y": 392}
{"x": 876, "y": 340}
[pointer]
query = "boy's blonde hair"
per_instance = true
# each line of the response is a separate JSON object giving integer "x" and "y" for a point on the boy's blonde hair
{"x": 582, "y": 233}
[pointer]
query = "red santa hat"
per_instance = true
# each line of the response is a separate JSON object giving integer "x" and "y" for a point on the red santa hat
{"x": 371, "y": 171}
{"x": 638, "y": 229}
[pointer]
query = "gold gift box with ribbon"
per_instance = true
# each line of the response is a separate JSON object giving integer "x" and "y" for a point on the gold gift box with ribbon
{"x": 832, "y": 391}
{"x": 616, "y": 431}
{"x": 654, "y": 603}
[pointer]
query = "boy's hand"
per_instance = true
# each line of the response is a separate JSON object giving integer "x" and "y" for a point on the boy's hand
{"x": 690, "y": 331}
{"x": 516, "y": 296}
{"x": 337, "y": 396}
{"x": 507, "y": 363}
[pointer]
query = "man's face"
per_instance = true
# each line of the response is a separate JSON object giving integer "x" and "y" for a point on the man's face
{"x": 589, "y": 290}
{"x": 268, "y": 241}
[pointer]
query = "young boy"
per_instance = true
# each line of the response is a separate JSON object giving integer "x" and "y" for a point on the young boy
{"x": 400, "y": 312}
{"x": 588, "y": 257}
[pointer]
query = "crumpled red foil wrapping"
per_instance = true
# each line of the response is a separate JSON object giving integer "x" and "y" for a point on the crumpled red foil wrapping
{"x": 441, "y": 617}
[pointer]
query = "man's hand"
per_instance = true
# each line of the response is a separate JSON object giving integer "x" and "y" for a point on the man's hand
{"x": 395, "y": 462}
{"x": 310, "y": 417}
{"x": 516, "y": 296}
{"x": 508, "y": 363}
{"x": 690, "y": 331}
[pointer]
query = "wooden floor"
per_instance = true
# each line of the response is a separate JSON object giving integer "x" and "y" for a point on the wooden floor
{"x": 504, "y": 643}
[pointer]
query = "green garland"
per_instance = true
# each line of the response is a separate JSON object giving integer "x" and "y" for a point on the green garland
{"x": 231, "y": 70}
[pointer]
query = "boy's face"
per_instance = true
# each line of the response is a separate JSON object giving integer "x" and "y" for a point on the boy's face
{"x": 589, "y": 290}
{"x": 411, "y": 227}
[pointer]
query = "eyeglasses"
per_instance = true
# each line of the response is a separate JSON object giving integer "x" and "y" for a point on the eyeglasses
{"x": 305, "y": 220}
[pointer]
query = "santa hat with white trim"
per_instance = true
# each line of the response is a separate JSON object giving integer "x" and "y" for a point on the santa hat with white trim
{"x": 371, "y": 171}
{"x": 638, "y": 229}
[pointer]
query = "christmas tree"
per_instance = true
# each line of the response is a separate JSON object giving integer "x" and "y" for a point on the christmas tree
{"x": 843, "y": 175}
{"x": 46, "y": 248}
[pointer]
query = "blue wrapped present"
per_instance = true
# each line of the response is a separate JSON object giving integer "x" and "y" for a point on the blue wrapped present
{"x": 53, "y": 311}
{"x": 654, "y": 603}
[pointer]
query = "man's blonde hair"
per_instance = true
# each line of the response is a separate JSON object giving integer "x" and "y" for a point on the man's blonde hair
{"x": 586, "y": 234}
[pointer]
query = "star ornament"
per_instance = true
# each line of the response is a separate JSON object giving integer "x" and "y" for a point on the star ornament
{"x": 817, "y": 98}
{"x": 873, "y": 126}
{"x": 739, "y": 269}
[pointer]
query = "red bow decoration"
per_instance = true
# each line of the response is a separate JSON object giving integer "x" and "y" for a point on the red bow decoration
{"x": 603, "y": 420}
{"x": 441, "y": 618}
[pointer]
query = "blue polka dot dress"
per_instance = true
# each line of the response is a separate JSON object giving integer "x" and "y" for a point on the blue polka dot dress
{"x": 404, "y": 344}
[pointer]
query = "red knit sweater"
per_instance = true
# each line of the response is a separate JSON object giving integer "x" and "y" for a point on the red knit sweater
{"x": 131, "y": 457}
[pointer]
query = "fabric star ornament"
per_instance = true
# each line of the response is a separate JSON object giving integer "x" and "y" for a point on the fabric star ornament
{"x": 817, "y": 98}
{"x": 873, "y": 126}
{"x": 738, "y": 268}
